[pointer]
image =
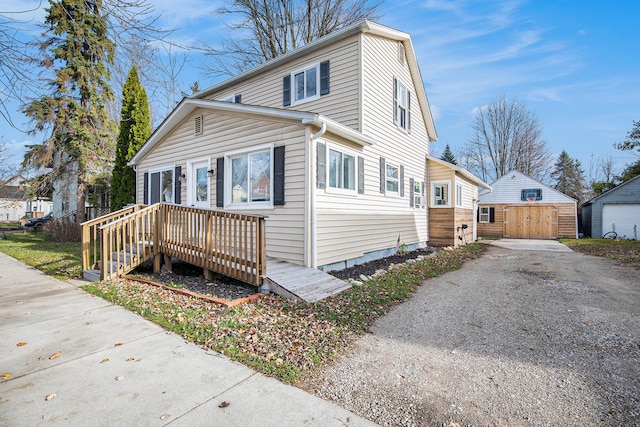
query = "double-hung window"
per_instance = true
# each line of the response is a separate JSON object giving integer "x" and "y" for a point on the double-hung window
{"x": 418, "y": 191}
{"x": 440, "y": 191}
{"x": 392, "y": 182}
{"x": 342, "y": 170}
{"x": 250, "y": 178}
{"x": 401, "y": 106}
{"x": 484, "y": 214}
{"x": 306, "y": 85}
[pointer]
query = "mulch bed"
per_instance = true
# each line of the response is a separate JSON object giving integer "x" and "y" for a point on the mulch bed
{"x": 189, "y": 280}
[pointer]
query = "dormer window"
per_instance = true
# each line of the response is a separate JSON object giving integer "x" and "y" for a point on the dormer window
{"x": 306, "y": 84}
{"x": 237, "y": 98}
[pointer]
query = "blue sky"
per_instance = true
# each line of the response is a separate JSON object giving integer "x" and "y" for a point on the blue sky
{"x": 574, "y": 64}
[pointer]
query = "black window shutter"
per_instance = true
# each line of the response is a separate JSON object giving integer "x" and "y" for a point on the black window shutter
{"x": 278, "y": 175}
{"x": 478, "y": 214}
{"x": 178, "y": 186}
{"x": 155, "y": 188}
{"x": 412, "y": 191}
{"x": 492, "y": 215}
{"x": 395, "y": 100}
{"x": 220, "y": 182}
{"x": 286, "y": 90}
{"x": 321, "y": 167}
{"x": 408, "y": 111}
{"x": 145, "y": 191}
{"x": 324, "y": 78}
{"x": 401, "y": 181}
{"x": 237, "y": 99}
{"x": 383, "y": 175}
{"x": 360, "y": 175}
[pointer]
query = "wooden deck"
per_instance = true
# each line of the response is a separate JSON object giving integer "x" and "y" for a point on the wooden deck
{"x": 298, "y": 282}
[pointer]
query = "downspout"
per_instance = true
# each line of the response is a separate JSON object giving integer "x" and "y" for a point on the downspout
{"x": 312, "y": 201}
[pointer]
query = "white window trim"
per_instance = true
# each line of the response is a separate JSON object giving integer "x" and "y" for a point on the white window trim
{"x": 459, "y": 195}
{"x": 191, "y": 178}
{"x": 488, "y": 217}
{"x": 230, "y": 98}
{"x": 333, "y": 190}
{"x": 293, "y": 84}
{"x": 161, "y": 169}
{"x": 388, "y": 192}
{"x": 406, "y": 107}
{"x": 228, "y": 190}
{"x": 419, "y": 194}
{"x": 432, "y": 201}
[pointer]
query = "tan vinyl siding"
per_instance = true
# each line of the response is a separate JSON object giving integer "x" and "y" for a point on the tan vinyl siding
{"x": 380, "y": 66}
{"x": 340, "y": 104}
{"x": 348, "y": 226}
{"x": 224, "y": 133}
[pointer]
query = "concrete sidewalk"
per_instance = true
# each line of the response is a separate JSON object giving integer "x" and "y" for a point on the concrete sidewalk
{"x": 116, "y": 369}
{"x": 531, "y": 245}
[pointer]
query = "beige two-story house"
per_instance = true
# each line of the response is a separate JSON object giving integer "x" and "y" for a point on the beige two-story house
{"x": 329, "y": 141}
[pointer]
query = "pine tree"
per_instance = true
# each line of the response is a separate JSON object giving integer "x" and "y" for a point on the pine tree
{"x": 135, "y": 128}
{"x": 77, "y": 48}
{"x": 569, "y": 176}
{"x": 448, "y": 156}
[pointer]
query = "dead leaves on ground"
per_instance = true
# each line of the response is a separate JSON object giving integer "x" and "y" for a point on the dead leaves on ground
{"x": 55, "y": 355}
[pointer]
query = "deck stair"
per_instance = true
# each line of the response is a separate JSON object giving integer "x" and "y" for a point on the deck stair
{"x": 298, "y": 282}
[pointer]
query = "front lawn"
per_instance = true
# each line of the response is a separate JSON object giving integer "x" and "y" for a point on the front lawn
{"x": 60, "y": 260}
{"x": 625, "y": 251}
{"x": 282, "y": 338}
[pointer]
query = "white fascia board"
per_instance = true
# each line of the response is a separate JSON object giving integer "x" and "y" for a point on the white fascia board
{"x": 462, "y": 172}
{"x": 341, "y": 130}
{"x": 188, "y": 105}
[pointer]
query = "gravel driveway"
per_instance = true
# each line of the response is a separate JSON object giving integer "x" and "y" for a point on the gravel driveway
{"x": 517, "y": 338}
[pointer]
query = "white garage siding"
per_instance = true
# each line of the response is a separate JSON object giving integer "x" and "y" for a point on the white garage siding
{"x": 624, "y": 219}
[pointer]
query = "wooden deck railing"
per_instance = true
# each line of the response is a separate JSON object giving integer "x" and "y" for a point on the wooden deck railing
{"x": 129, "y": 241}
{"x": 231, "y": 244}
{"x": 91, "y": 235}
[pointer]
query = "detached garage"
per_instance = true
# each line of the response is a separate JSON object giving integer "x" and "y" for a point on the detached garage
{"x": 616, "y": 210}
{"x": 519, "y": 207}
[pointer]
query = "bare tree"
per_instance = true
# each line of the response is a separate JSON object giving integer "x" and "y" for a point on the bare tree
{"x": 270, "y": 28}
{"x": 506, "y": 136}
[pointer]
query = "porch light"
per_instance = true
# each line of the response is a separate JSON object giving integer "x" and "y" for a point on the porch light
{"x": 211, "y": 172}
{"x": 182, "y": 177}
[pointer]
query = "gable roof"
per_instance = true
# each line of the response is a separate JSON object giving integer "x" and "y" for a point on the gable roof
{"x": 462, "y": 171}
{"x": 611, "y": 190}
{"x": 188, "y": 105}
{"x": 502, "y": 184}
{"x": 365, "y": 27}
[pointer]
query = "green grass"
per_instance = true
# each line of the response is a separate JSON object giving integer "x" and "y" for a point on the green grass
{"x": 625, "y": 251}
{"x": 60, "y": 260}
{"x": 14, "y": 225}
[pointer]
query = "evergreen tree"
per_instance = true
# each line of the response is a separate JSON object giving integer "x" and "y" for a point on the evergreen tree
{"x": 569, "y": 176}
{"x": 448, "y": 156}
{"x": 77, "y": 49}
{"x": 135, "y": 128}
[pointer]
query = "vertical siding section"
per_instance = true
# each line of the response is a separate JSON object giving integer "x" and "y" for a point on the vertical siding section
{"x": 349, "y": 226}
{"x": 223, "y": 133}
{"x": 340, "y": 104}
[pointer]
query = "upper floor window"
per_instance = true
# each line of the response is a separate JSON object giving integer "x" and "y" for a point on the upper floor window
{"x": 458, "y": 195}
{"x": 440, "y": 194}
{"x": 401, "y": 105}
{"x": 305, "y": 84}
{"x": 237, "y": 98}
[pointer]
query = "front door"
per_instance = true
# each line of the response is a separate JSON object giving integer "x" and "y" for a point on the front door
{"x": 198, "y": 185}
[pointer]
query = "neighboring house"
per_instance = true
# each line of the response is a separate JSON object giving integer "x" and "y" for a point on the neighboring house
{"x": 615, "y": 210}
{"x": 520, "y": 207}
{"x": 452, "y": 203}
{"x": 15, "y": 203}
{"x": 328, "y": 141}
